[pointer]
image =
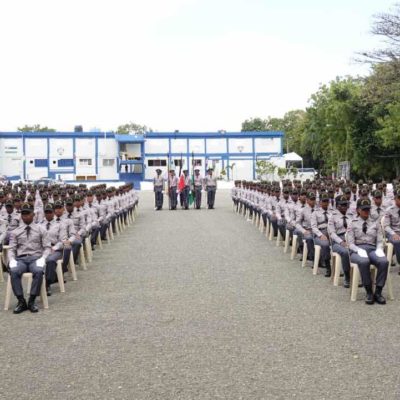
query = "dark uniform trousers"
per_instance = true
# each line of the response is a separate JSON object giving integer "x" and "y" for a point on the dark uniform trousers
{"x": 381, "y": 264}
{"x": 344, "y": 256}
{"x": 197, "y": 194}
{"x": 211, "y": 195}
{"x": 185, "y": 197}
{"x": 325, "y": 248}
{"x": 396, "y": 245}
{"x": 26, "y": 264}
{"x": 76, "y": 246}
{"x": 103, "y": 231}
{"x": 159, "y": 197}
{"x": 282, "y": 227}
{"x": 309, "y": 243}
{"x": 93, "y": 235}
{"x": 274, "y": 222}
{"x": 173, "y": 197}
{"x": 51, "y": 265}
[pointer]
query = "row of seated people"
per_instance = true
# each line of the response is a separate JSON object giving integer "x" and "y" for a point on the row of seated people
{"x": 356, "y": 232}
{"x": 48, "y": 226}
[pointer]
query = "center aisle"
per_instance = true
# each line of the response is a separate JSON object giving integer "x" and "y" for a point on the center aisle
{"x": 199, "y": 305}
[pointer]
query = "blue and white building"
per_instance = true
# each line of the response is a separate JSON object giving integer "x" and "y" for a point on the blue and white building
{"x": 97, "y": 156}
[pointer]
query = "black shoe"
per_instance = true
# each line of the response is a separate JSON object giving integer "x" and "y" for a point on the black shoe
{"x": 369, "y": 298}
{"x": 328, "y": 273}
{"x": 33, "y": 308}
{"x": 48, "y": 290}
{"x": 379, "y": 298}
{"x": 21, "y": 307}
{"x": 346, "y": 283}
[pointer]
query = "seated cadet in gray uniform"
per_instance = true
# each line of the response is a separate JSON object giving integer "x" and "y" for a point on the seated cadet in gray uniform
{"x": 319, "y": 226}
{"x": 281, "y": 207}
{"x": 377, "y": 209}
{"x": 197, "y": 188}
{"x": 210, "y": 184}
{"x": 29, "y": 248}
{"x": 303, "y": 225}
{"x": 366, "y": 245}
{"x": 158, "y": 187}
{"x": 57, "y": 234}
{"x": 337, "y": 228}
{"x": 391, "y": 224}
{"x": 69, "y": 228}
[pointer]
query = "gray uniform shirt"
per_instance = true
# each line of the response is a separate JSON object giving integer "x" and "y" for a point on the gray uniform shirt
{"x": 56, "y": 233}
{"x": 210, "y": 181}
{"x": 319, "y": 222}
{"x": 391, "y": 222}
{"x": 158, "y": 184}
{"x": 303, "y": 222}
{"x": 356, "y": 236}
{"x": 336, "y": 226}
{"x": 36, "y": 243}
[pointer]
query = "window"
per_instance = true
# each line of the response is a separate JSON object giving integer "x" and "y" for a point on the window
{"x": 85, "y": 161}
{"x": 41, "y": 163}
{"x": 197, "y": 163}
{"x": 179, "y": 163}
{"x": 67, "y": 162}
{"x": 108, "y": 162}
{"x": 157, "y": 163}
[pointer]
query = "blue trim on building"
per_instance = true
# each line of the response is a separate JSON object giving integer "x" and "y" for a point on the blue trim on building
{"x": 24, "y": 160}
{"x": 74, "y": 154}
{"x": 48, "y": 156}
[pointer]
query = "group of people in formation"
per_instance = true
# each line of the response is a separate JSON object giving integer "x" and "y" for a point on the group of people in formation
{"x": 40, "y": 225}
{"x": 186, "y": 187}
{"x": 351, "y": 219}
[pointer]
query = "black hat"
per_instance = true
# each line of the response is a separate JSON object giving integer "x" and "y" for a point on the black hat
{"x": 210, "y": 169}
{"x": 185, "y": 170}
{"x": 285, "y": 190}
{"x": 9, "y": 203}
{"x": 347, "y": 190}
{"x": 69, "y": 201}
{"x": 377, "y": 194}
{"x": 363, "y": 204}
{"x": 59, "y": 204}
{"x": 311, "y": 195}
{"x": 77, "y": 197}
{"x": 48, "y": 207}
{"x": 158, "y": 170}
{"x": 341, "y": 201}
{"x": 30, "y": 198}
{"x": 26, "y": 208}
{"x": 295, "y": 192}
{"x": 324, "y": 197}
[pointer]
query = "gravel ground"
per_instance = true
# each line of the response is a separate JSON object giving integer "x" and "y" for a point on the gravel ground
{"x": 199, "y": 305}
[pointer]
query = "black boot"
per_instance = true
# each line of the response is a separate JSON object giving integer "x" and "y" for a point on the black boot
{"x": 369, "y": 298}
{"x": 328, "y": 271}
{"x": 31, "y": 304}
{"x": 378, "y": 295}
{"x": 346, "y": 283}
{"x": 48, "y": 289}
{"x": 21, "y": 306}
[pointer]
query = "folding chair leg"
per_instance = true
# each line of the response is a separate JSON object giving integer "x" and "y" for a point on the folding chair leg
{"x": 287, "y": 241}
{"x": 72, "y": 268}
{"x": 8, "y": 294}
{"x": 354, "y": 282}
{"x": 60, "y": 276}
{"x": 82, "y": 261}
{"x": 338, "y": 268}
{"x": 99, "y": 241}
{"x": 294, "y": 247}
{"x": 317, "y": 256}
{"x": 305, "y": 254}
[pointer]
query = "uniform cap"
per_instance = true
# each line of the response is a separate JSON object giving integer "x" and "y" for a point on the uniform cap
{"x": 158, "y": 170}
{"x": 364, "y": 204}
{"x": 311, "y": 195}
{"x": 9, "y": 202}
{"x": 324, "y": 197}
{"x": 377, "y": 194}
{"x": 26, "y": 208}
{"x": 48, "y": 207}
{"x": 59, "y": 204}
{"x": 69, "y": 201}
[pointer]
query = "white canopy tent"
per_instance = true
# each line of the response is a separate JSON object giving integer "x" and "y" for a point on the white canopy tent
{"x": 292, "y": 158}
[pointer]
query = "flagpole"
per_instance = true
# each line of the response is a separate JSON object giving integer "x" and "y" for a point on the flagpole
{"x": 168, "y": 184}
{"x": 194, "y": 192}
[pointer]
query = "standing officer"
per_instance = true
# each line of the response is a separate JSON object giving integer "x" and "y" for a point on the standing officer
{"x": 186, "y": 190}
{"x": 366, "y": 244}
{"x": 158, "y": 187}
{"x": 337, "y": 228}
{"x": 29, "y": 248}
{"x": 172, "y": 187}
{"x": 210, "y": 184}
{"x": 319, "y": 226}
{"x": 197, "y": 187}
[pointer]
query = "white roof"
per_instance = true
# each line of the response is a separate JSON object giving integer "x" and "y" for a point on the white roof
{"x": 292, "y": 157}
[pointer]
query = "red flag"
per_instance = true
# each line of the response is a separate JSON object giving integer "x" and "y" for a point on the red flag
{"x": 181, "y": 183}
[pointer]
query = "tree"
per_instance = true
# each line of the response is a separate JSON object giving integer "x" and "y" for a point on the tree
{"x": 132, "y": 128}
{"x": 35, "y": 128}
{"x": 386, "y": 26}
{"x": 260, "y": 125}
{"x": 265, "y": 169}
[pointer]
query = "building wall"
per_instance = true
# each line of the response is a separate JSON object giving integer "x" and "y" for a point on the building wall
{"x": 11, "y": 157}
{"x": 107, "y": 155}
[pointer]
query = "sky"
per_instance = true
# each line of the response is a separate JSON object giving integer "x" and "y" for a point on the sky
{"x": 190, "y": 65}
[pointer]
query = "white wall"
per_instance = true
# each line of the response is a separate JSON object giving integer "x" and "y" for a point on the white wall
{"x": 150, "y": 172}
{"x": 268, "y": 145}
{"x": 85, "y": 149}
{"x": 246, "y": 144}
{"x": 60, "y": 149}
{"x": 196, "y": 146}
{"x": 11, "y": 157}
{"x": 35, "y": 149}
{"x": 156, "y": 146}
{"x": 178, "y": 146}
{"x": 107, "y": 149}
{"x": 216, "y": 146}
